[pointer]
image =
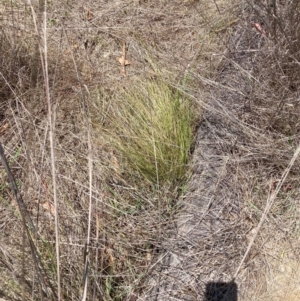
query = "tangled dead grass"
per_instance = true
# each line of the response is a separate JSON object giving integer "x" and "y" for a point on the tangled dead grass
{"x": 273, "y": 108}
{"x": 129, "y": 206}
{"x": 171, "y": 44}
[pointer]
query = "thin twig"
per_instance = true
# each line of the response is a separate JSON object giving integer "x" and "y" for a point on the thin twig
{"x": 51, "y": 139}
{"x": 44, "y": 61}
{"x": 90, "y": 166}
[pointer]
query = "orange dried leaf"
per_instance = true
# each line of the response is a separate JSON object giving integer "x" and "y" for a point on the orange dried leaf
{"x": 3, "y": 128}
{"x": 123, "y": 61}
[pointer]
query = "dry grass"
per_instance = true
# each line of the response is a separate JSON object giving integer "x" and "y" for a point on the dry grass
{"x": 274, "y": 93}
{"x": 272, "y": 107}
{"x": 278, "y": 277}
{"x": 132, "y": 191}
{"x": 122, "y": 144}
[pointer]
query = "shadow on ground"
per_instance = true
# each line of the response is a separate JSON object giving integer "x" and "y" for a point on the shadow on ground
{"x": 221, "y": 291}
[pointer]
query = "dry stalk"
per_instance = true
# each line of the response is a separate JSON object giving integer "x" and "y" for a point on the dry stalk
{"x": 51, "y": 139}
{"x": 90, "y": 167}
{"x": 44, "y": 61}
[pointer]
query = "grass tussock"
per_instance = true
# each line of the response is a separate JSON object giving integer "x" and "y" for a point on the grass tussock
{"x": 151, "y": 125}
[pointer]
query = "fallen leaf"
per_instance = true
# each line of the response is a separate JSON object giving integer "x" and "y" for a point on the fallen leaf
{"x": 122, "y": 60}
{"x": 109, "y": 252}
{"x": 259, "y": 28}
{"x": 89, "y": 15}
{"x": 49, "y": 207}
{"x": 3, "y": 128}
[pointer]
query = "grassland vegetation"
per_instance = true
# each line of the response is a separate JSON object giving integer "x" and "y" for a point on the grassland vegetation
{"x": 122, "y": 143}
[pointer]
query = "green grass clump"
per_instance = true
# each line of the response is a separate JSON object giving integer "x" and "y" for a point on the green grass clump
{"x": 151, "y": 127}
